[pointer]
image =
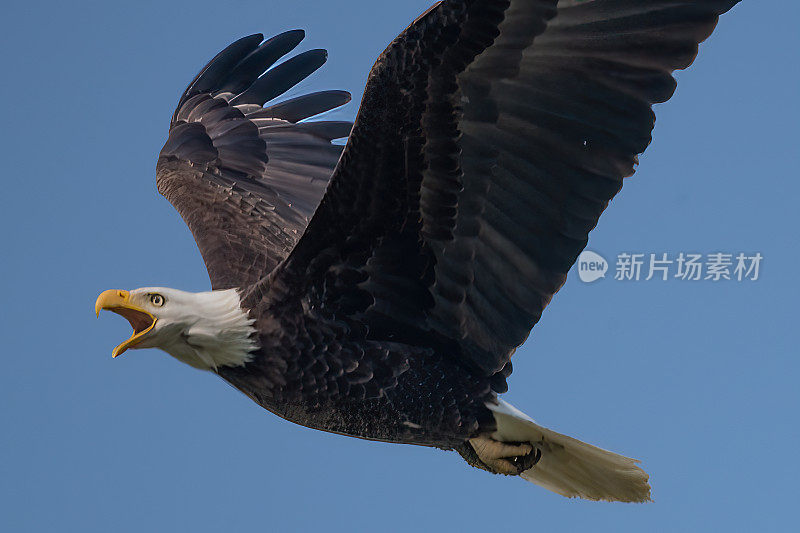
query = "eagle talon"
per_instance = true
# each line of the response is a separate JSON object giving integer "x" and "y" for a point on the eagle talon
{"x": 526, "y": 462}
{"x": 507, "y": 458}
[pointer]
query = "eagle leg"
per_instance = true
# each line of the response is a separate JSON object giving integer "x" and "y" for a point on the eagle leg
{"x": 507, "y": 458}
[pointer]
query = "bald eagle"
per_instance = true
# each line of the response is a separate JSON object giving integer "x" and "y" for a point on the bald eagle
{"x": 379, "y": 290}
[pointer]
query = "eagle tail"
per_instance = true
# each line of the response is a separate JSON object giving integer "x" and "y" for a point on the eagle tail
{"x": 568, "y": 466}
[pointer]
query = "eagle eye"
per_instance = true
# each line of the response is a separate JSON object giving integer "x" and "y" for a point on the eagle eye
{"x": 157, "y": 300}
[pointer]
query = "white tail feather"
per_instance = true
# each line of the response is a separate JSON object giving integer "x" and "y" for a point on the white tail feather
{"x": 568, "y": 466}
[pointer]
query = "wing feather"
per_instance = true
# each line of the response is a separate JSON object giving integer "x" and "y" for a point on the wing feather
{"x": 246, "y": 185}
{"x": 491, "y": 137}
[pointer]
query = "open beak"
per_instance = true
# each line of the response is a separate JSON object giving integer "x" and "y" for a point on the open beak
{"x": 118, "y": 301}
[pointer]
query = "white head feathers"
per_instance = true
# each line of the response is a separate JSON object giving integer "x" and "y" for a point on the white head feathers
{"x": 206, "y": 330}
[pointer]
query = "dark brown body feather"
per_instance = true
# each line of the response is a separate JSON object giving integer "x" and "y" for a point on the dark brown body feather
{"x": 491, "y": 136}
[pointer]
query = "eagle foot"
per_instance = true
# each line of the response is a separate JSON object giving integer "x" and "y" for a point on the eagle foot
{"x": 507, "y": 458}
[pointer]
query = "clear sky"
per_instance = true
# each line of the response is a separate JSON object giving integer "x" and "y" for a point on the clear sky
{"x": 698, "y": 379}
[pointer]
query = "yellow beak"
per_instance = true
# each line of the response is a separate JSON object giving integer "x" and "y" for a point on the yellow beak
{"x": 118, "y": 301}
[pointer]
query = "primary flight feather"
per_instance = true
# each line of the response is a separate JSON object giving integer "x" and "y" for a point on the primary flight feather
{"x": 379, "y": 290}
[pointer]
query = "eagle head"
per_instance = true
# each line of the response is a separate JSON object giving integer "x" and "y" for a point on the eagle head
{"x": 205, "y": 330}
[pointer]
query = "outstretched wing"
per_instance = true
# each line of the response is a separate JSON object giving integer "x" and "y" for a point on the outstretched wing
{"x": 491, "y": 137}
{"x": 244, "y": 177}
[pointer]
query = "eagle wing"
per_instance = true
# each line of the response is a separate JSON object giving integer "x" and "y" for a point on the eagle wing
{"x": 247, "y": 178}
{"x": 491, "y": 137}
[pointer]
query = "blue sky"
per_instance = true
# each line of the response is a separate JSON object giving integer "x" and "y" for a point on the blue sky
{"x": 698, "y": 379}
